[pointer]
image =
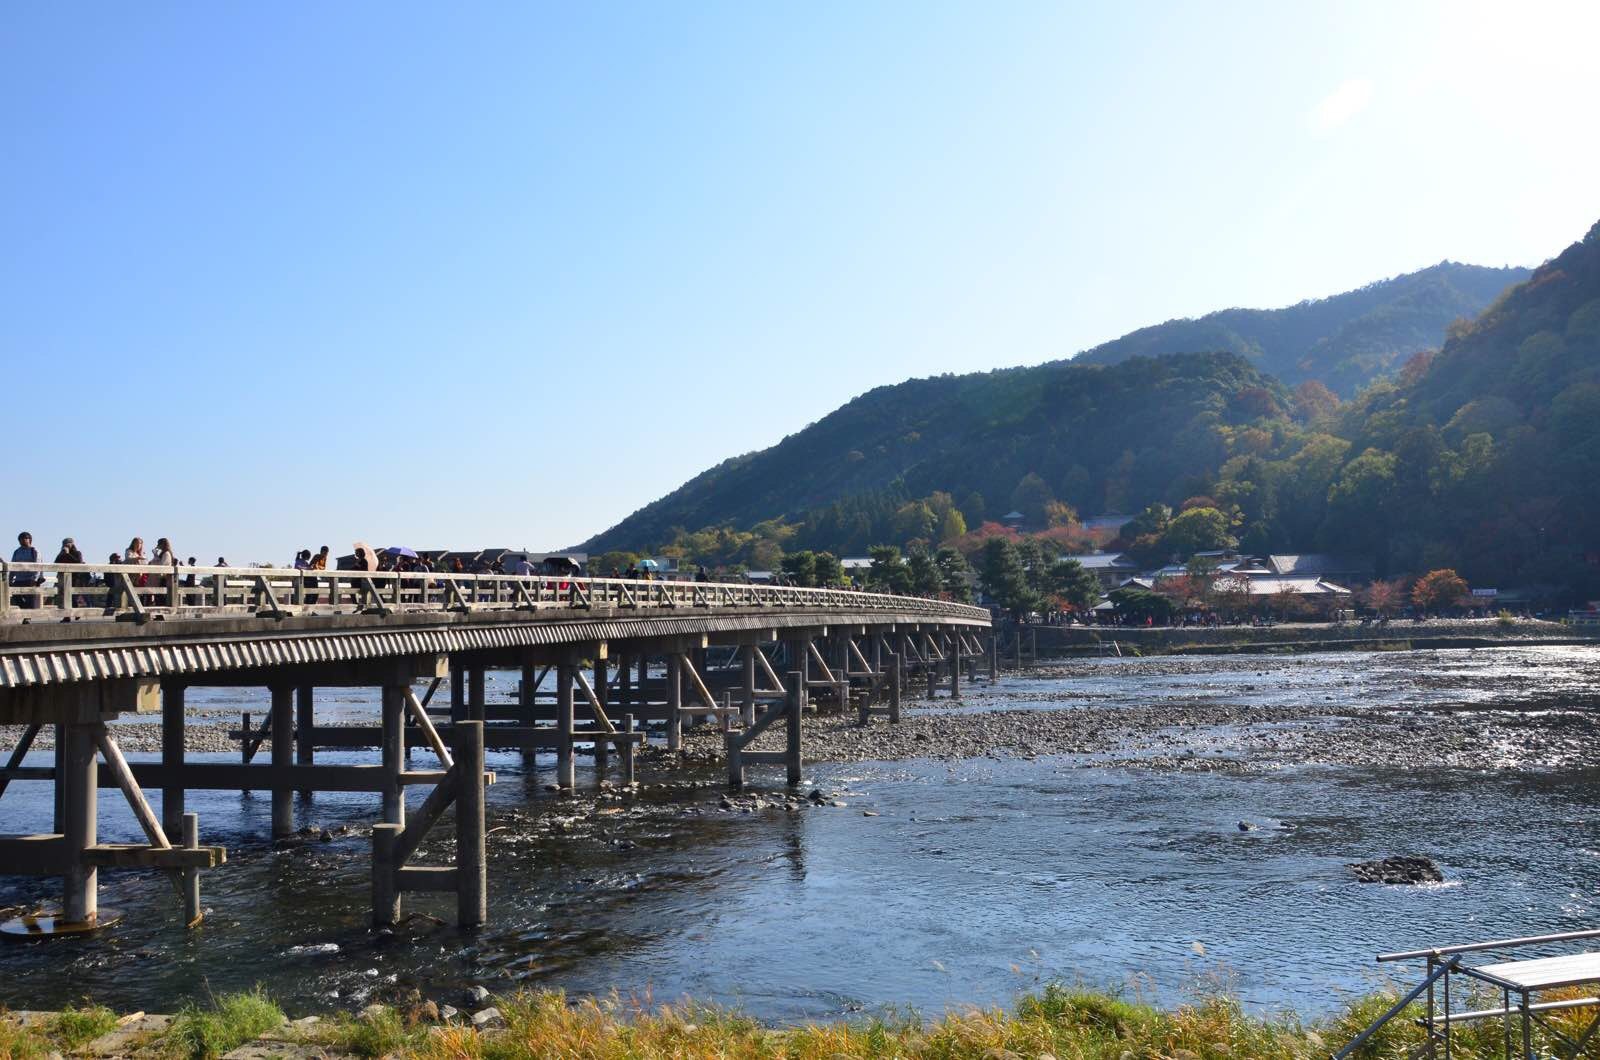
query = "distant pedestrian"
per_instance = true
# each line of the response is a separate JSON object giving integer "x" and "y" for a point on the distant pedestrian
{"x": 302, "y": 559}
{"x": 167, "y": 559}
{"x": 26, "y": 553}
{"x": 69, "y": 554}
{"x": 114, "y": 591}
{"x": 188, "y": 579}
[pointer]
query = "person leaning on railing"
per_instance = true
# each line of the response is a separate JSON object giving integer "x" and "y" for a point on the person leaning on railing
{"x": 69, "y": 554}
{"x": 26, "y": 553}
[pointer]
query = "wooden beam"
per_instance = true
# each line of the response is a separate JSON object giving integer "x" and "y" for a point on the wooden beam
{"x": 822, "y": 664}
{"x": 136, "y": 856}
{"x": 18, "y": 753}
{"x": 419, "y": 714}
{"x": 130, "y": 788}
{"x": 594, "y": 701}
{"x": 699, "y": 686}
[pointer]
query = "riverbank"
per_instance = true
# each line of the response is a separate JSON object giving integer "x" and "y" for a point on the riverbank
{"x": 1055, "y": 1022}
{"x": 1305, "y": 636}
{"x": 1482, "y": 710}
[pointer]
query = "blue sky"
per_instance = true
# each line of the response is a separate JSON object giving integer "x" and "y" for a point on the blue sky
{"x": 285, "y": 275}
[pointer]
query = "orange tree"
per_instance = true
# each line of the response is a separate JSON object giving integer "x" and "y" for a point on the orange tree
{"x": 1438, "y": 588}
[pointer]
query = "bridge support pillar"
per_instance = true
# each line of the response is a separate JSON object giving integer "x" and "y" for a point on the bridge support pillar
{"x": 472, "y": 875}
{"x": 896, "y": 673}
{"x": 282, "y": 755}
{"x": 748, "y": 712}
{"x": 841, "y": 654}
{"x": 930, "y": 666}
{"x": 527, "y": 698}
{"x": 954, "y": 654}
{"x": 1017, "y": 648}
{"x": 172, "y": 726}
{"x": 994, "y": 658}
{"x": 566, "y": 777}
{"x": 476, "y": 704}
{"x": 80, "y": 899}
{"x": 458, "y": 692}
{"x": 305, "y": 722}
{"x": 674, "y": 702}
{"x": 793, "y": 705}
{"x": 393, "y": 750}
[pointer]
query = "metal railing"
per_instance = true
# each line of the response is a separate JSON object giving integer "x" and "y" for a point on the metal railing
{"x": 1445, "y": 961}
{"x": 57, "y": 591}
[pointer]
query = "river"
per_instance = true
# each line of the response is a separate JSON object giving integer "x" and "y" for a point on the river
{"x": 937, "y": 884}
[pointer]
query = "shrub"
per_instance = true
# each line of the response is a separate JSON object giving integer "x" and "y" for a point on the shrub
{"x": 234, "y": 1020}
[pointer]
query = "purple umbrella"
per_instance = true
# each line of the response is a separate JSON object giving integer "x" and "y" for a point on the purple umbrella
{"x": 400, "y": 552}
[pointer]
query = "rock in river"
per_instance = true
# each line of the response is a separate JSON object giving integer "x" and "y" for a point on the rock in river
{"x": 1401, "y": 870}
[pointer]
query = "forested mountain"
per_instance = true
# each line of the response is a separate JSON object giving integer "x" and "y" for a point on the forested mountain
{"x": 1484, "y": 456}
{"x": 1100, "y": 437}
{"x": 1344, "y": 341}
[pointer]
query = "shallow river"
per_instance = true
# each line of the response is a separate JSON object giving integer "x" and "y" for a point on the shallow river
{"x": 973, "y": 881}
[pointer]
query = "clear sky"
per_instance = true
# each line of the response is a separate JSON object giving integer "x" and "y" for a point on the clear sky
{"x": 280, "y": 275}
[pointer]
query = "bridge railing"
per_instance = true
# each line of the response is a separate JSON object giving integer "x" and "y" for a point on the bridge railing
{"x": 69, "y": 591}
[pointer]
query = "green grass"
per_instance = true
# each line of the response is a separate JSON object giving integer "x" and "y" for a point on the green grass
{"x": 19, "y": 1044}
{"x": 1066, "y": 1023}
{"x": 232, "y": 1020}
{"x": 75, "y": 1027}
{"x": 378, "y": 1033}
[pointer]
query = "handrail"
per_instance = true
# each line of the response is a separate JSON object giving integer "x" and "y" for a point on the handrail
{"x": 110, "y": 591}
{"x": 1399, "y": 1006}
{"x": 1498, "y": 944}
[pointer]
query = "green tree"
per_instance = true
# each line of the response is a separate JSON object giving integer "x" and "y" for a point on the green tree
{"x": 828, "y": 569}
{"x": 1070, "y": 582}
{"x": 952, "y": 526}
{"x": 888, "y": 572}
{"x": 953, "y": 571}
{"x": 801, "y": 567}
{"x": 1152, "y": 521}
{"x": 1198, "y": 530}
{"x": 1004, "y": 579}
{"x": 923, "y": 572}
{"x": 1138, "y": 604}
{"x": 915, "y": 521}
{"x": 1030, "y": 496}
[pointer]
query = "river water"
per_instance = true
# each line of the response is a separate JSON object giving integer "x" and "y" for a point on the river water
{"x": 970, "y": 882}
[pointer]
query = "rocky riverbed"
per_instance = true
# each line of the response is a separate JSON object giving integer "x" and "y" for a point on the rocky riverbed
{"x": 1474, "y": 709}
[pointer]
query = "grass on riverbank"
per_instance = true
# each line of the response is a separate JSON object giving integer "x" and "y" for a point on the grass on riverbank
{"x": 1058, "y": 1022}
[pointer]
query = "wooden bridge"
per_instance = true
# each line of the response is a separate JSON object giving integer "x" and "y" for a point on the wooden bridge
{"x": 603, "y": 665}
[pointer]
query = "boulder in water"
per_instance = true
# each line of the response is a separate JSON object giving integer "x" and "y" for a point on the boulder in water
{"x": 1398, "y": 870}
